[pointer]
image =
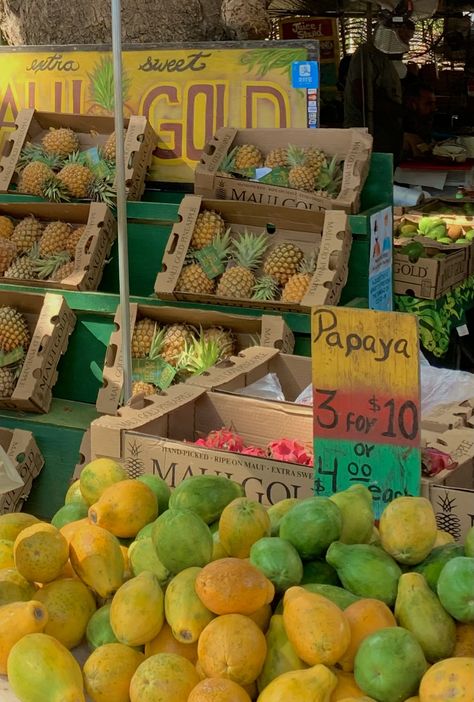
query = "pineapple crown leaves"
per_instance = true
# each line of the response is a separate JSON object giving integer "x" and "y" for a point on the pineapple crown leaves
{"x": 222, "y": 244}
{"x": 308, "y": 263}
{"x": 46, "y": 267}
{"x": 34, "y": 153}
{"x": 102, "y": 190}
{"x": 157, "y": 343}
{"x": 55, "y": 191}
{"x": 102, "y": 84}
{"x": 330, "y": 176}
{"x": 266, "y": 288}
{"x": 199, "y": 355}
{"x": 296, "y": 156}
{"x": 227, "y": 165}
{"x": 190, "y": 257}
{"x": 249, "y": 249}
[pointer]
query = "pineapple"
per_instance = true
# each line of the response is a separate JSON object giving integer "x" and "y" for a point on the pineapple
{"x": 77, "y": 179}
{"x": 7, "y": 382}
{"x": 110, "y": 146}
{"x": 283, "y": 262}
{"x": 142, "y": 338}
{"x": 102, "y": 190}
{"x": 209, "y": 224}
{"x": 192, "y": 279}
{"x": 297, "y": 286}
{"x": 102, "y": 88}
{"x": 63, "y": 272}
{"x": 315, "y": 159}
{"x": 265, "y": 289}
{"x": 199, "y": 355}
{"x": 14, "y": 332}
{"x": 47, "y": 267}
{"x": 175, "y": 340}
{"x": 8, "y": 252}
{"x": 55, "y": 190}
{"x": 329, "y": 182}
{"x": 6, "y": 227}
{"x": 35, "y": 152}
{"x": 60, "y": 142}
{"x": 248, "y": 156}
{"x": 301, "y": 175}
{"x": 224, "y": 338}
{"x": 34, "y": 177}
{"x": 55, "y": 239}
{"x": 27, "y": 233}
{"x": 22, "y": 268}
{"x": 141, "y": 388}
{"x": 238, "y": 281}
{"x": 74, "y": 238}
{"x": 277, "y": 158}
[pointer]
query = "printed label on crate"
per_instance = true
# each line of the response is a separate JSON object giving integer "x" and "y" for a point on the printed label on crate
{"x": 157, "y": 372}
{"x": 210, "y": 262}
{"x": 366, "y": 400}
{"x": 276, "y": 176}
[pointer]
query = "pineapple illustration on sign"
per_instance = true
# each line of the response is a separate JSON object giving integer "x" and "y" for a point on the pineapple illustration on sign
{"x": 134, "y": 464}
{"x": 102, "y": 89}
{"x": 446, "y": 519}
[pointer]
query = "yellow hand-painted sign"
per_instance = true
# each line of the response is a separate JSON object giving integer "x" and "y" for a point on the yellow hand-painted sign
{"x": 186, "y": 93}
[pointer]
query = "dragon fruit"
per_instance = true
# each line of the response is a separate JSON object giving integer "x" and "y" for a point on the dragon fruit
{"x": 223, "y": 439}
{"x": 290, "y": 451}
{"x": 254, "y": 451}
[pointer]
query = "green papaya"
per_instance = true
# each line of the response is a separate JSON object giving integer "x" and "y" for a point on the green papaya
{"x": 319, "y": 572}
{"x": 182, "y": 540}
{"x": 311, "y": 526}
{"x": 389, "y": 665}
{"x": 469, "y": 543}
{"x": 366, "y": 571}
{"x": 456, "y": 588}
{"x": 159, "y": 487}
{"x": 342, "y": 598}
{"x": 278, "y": 560}
{"x": 142, "y": 556}
{"x": 358, "y": 517}
{"x": 419, "y": 610}
{"x": 277, "y": 511}
{"x": 145, "y": 532}
{"x": 99, "y": 631}
{"x": 71, "y": 512}
{"x": 433, "y": 564}
{"x": 205, "y": 495}
{"x": 281, "y": 656}
{"x": 185, "y": 613}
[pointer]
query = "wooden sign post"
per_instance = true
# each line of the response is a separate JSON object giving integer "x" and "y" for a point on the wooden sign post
{"x": 366, "y": 399}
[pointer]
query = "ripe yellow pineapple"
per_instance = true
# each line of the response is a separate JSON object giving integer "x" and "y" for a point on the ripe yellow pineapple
{"x": 22, "y": 269}
{"x": 14, "y": 332}
{"x": 7, "y": 382}
{"x": 315, "y": 159}
{"x": 192, "y": 279}
{"x": 238, "y": 281}
{"x": 55, "y": 238}
{"x": 224, "y": 339}
{"x": 248, "y": 156}
{"x": 27, "y": 233}
{"x": 141, "y": 388}
{"x": 108, "y": 152}
{"x": 298, "y": 285}
{"x": 142, "y": 337}
{"x": 74, "y": 238}
{"x": 277, "y": 158}
{"x": 6, "y": 227}
{"x": 283, "y": 261}
{"x": 77, "y": 179}
{"x": 8, "y": 252}
{"x": 175, "y": 340}
{"x": 301, "y": 176}
{"x": 60, "y": 142}
{"x": 33, "y": 178}
{"x": 209, "y": 224}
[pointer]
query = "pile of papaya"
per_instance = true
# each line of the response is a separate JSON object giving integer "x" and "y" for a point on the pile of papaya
{"x": 202, "y": 595}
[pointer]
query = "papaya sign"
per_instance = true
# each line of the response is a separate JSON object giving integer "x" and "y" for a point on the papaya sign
{"x": 366, "y": 402}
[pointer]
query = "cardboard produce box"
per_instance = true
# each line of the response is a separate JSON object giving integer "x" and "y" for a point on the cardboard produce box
{"x": 352, "y": 145}
{"x": 451, "y": 492}
{"x": 92, "y": 250}
{"x": 153, "y": 437}
{"x": 50, "y": 323}
{"x": 31, "y": 125}
{"x": 269, "y": 330}
{"x": 253, "y": 364}
{"x": 327, "y": 233}
{"x": 84, "y": 456}
{"x": 25, "y": 456}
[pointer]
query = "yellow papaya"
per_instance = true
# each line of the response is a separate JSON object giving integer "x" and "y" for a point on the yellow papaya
{"x": 124, "y": 508}
{"x": 40, "y": 552}
{"x": 184, "y": 611}
{"x": 137, "y": 610}
{"x": 14, "y": 587}
{"x": 97, "y": 559}
{"x": 314, "y": 684}
{"x": 97, "y": 475}
{"x": 40, "y": 668}
{"x": 16, "y": 620}
{"x": 6, "y": 554}
{"x": 408, "y": 529}
{"x": 70, "y": 605}
{"x": 108, "y": 672}
{"x": 281, "y": 655}
{"x": 13, "y": 523}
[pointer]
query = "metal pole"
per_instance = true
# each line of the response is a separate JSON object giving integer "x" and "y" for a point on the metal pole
{"x": 121, "y": 203}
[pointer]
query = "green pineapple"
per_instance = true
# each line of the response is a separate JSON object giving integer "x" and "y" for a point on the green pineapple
{"x": 239, "y": 280}
{"x": 199, "y": 355}
{"x": 329, "y": 181}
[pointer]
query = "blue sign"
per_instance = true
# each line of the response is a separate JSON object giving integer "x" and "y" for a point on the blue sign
{"x": 305, "y": 74}
{"x": 380, "y": 265}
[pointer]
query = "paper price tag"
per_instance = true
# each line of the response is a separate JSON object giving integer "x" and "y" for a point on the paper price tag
{"x": 157, "y": 372}
{"x": 210, "y": 262}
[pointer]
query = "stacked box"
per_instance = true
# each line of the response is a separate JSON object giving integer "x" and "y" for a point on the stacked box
{"x": 22, "y": 450}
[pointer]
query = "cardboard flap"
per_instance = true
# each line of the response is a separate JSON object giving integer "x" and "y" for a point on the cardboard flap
{"x": 234, "y": 367}
{"x": 356, "y": 166}
{"x": 84, "y": 455}
{"x": 13, "y": 146}
{"x": 134, "y": 137}
{"x": 276, "y": 334}
{"x": 26, "y": 456}
{"x": 178, "y": 245}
